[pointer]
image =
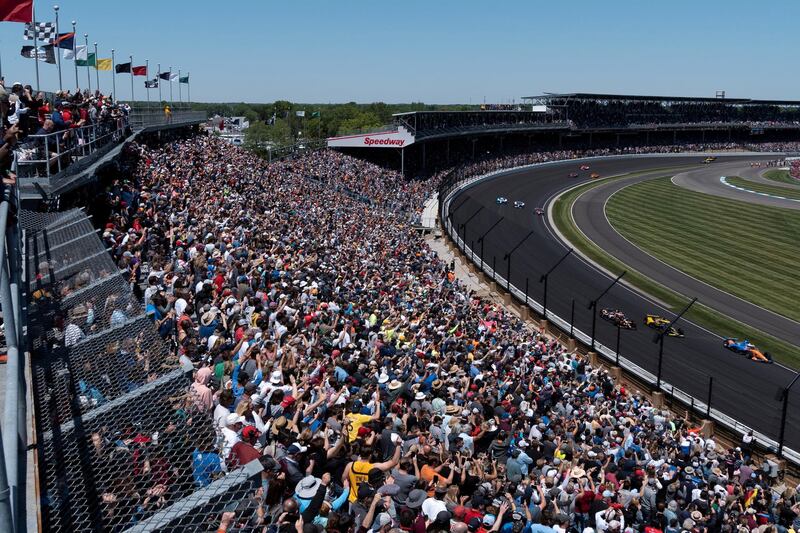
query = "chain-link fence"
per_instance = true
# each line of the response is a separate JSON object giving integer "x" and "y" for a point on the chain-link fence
{"x": 121, "y": 441}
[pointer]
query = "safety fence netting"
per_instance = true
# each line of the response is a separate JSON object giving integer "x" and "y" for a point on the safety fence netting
{"x": 119, "y": 432}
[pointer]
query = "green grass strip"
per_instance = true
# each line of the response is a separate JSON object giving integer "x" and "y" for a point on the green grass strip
{"x": 701, "y": 315}
{"x": 781, "y": 176}
{"x": 784, "y": 192}
{"x": 746, "y": 249}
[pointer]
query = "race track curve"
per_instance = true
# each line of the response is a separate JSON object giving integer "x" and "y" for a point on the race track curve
{"x": 707, "y": 180}
{"x": 742, "y": 389}
{"x": 589, "y": 215}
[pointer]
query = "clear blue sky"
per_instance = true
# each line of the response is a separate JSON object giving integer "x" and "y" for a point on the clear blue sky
{"x": 436, "y": 51}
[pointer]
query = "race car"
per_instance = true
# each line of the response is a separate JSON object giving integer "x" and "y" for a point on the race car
{"x": 572, "y": 175}
{"x": 539, "y": 211}
{"x": 618, "y": 318}
{"x": 747, "y": 349}
{"x": 584, "y": 167}
{"x": 710, "y": 159}
{"x": 659, "y": 323}
{"x": 594, "y": 175}
{"x": 502, "y": 200}
{"x": 519, "y": 204}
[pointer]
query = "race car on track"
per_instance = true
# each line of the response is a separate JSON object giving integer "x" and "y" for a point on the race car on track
{"x": 584, "y": 167}
{"x": 747, "y": 349}
{"x": 594, "y": 175}
{"x": 572, "y": 175}
{"x": 539, "y": 211}
{"x": 618, "y": 318}
{"x": 519, "y": 204}
{"x": 660, "y": 323}
{"x": 710, "y": 159}
{"x": 502, "y": 200}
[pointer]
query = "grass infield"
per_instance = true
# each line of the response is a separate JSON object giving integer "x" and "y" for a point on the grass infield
{"x": 699, "y": 314}
{"x": 753, "y": 186}
{"x": 781, "y": 176}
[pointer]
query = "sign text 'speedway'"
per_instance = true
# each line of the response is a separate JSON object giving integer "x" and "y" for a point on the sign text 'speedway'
{"x": 384, "y": 142}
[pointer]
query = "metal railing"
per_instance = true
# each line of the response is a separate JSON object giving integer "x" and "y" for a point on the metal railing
{"x": 46, "y": 155}
{"x": 14, "y": 430}
{"x": 140, "y": 119}
{"x": 456, "y": 182}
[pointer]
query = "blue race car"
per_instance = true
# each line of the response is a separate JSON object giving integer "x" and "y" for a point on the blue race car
{"x": 502, "y": 200}
{"x": 748, "y": 349}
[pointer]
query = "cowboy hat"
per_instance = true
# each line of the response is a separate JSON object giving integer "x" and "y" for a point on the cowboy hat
{"x": 394, "y": 384}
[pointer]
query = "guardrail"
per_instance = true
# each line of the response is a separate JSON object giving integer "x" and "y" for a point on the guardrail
{"x": 14, "y": 431}
{"x": 158, "y": 117}
{"x": 44, "y": 155}
{"x": 455, "y": 184}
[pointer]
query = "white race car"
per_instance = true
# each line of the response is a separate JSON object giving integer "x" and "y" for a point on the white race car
{"x": 502, "y": 200}
{"x": 519, "y": 204}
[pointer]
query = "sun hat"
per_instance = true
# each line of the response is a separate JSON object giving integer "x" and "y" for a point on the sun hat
{"x": 419, "y": 396}
{"x": 307, "y": 488}
{"x": 415, "y": 498}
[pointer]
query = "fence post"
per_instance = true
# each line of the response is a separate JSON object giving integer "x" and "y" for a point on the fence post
{"x": 710, "y": 388}
{"x": 572, "y": 320}
{"x": 526, "y": 291}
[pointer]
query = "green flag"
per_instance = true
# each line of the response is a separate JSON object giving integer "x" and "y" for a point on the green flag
{"x": 184, "y": 79}
{"x": 315, "y": 114}
{"x": 88, "y": 62}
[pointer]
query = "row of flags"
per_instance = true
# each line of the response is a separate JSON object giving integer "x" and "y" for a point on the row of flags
{"x": 46, "y": 32}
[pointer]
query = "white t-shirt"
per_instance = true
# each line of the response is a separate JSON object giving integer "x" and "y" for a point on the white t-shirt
{"x": 431, "y": 507}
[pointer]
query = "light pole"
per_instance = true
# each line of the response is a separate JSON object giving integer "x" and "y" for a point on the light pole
{"x": 659, "y": 338}
{"x": 544, "y": 277}
{"x": 785, "y": 397}
{"x": 464, "y": 226}
{"x": 507, "y": 257}
{"x": 593, "y": 305}
{"x": 482, "y": 237}
{"x": 113, "y": 76}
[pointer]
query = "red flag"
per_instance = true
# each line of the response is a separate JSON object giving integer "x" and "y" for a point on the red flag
{"x": 16, "y": 10}
{"x": 140, "y": 71}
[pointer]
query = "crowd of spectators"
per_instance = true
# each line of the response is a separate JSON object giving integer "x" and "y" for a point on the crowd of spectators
{"x": 331, "y": 344}
{"x": 27, "y": 119}
{"x": 589, "y": 113}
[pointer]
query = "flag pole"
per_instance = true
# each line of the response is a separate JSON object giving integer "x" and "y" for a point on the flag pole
{"x": 75, "y": 56}
{"x": 96, "y": 70}
{"x": 88, "y": 72}
{"x": 35, "y": 45}
{"x": 58, "y": 52}
{"x": 131, "y": 58}
{"x": 171, "y": 101}
{"x": 113, "y": 76}
{"x": 158, "y": 77}
{"x": 179, "y": 86}
{"x": 188, "y": 89}
{"x": 147, "y": 77}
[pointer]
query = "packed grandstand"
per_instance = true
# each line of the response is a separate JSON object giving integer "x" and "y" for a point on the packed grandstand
{"x": 279, "y": 342}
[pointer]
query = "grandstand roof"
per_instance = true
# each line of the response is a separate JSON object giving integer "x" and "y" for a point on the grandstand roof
{"x": 646, "y": 98}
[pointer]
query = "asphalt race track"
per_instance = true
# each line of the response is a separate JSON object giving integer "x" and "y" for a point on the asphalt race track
{"x": 742, "y": 389}
{"x": 589, "y": 215}
{"x": 707, "y": 181}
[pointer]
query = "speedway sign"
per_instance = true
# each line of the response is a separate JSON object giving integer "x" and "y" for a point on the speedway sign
{"x": 399, "y": 138}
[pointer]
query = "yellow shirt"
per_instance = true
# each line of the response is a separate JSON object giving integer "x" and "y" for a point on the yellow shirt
{"x": 356, "y": 421}
{"x": 359, "y": 473}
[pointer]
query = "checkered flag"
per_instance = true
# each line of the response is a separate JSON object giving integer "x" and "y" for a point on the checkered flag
{"x": 45, "y": 32}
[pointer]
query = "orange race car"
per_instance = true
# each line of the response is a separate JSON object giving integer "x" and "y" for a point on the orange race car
{"x": 594, "y": 175}
{"x": 748, "y": 349}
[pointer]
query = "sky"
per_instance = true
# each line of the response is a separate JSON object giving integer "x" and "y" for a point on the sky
{"x": 432, "y": 51}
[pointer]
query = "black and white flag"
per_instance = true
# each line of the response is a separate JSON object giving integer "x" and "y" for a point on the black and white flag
{"x": 45, "y": 31}
{"x": 151, "y": 84}
{"x": 44, "y": 53}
